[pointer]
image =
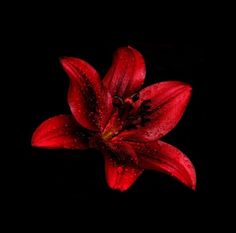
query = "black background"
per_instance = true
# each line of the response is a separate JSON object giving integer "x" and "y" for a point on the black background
{"x": 45, "y": 93}
{"x": 173, "y": 50}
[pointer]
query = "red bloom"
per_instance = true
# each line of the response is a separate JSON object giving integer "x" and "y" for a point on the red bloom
{"x": 121, "y": 121}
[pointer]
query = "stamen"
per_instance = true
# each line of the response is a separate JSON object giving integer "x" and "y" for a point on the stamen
{"x": 135, "y": 97}
{"x": 144, "y": 107}
{"x": 128, "y": 119}
{"x": 141, "y": 117}
{"x": 117, "y": 101}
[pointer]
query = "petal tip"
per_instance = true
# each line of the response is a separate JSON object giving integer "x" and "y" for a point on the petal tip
{"x": 34, "y": 141}
{"x": 188, "y": 87}
{"x": 193, "y": 184}
{"x": 63, "y": 60}
{"x": 194, "y": 188}
{"x": 67, "y": 61}
{"x": 182, "y": 85}
{"x": 130, "y": 47}
{"x": 186, "y": 90}
{"x": 119, "y": 188}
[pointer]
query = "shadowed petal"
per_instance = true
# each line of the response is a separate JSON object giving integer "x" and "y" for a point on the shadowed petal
{"x": 165, "y": 158}
{"x": 59, "y": 132}
{"x": 168, "y": 101}
{"x": 126, "y": 74}
{"x": 120, "y": 176}
{"x": 123, "y": 152}
{"x": 89, "y": 102}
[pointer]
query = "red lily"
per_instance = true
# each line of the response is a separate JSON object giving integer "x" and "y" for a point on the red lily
{"x": 125, "y": 124}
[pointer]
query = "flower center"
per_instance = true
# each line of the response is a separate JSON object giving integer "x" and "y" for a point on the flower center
{"x": 127, "y": 115}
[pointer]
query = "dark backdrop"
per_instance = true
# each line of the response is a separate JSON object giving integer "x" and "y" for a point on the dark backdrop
{"x": 45, "y": 92}
{"x": 40, "y": 86}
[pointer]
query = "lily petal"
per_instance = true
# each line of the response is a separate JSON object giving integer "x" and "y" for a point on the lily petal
{"x": 120, "y": 176}
{"x": 168, "y": 101}
{"x": 123, "y": 152}
{"x": 89, "y": 101}
{"x": 59, "y": 132}
{"x": 126, "y": 74}
{"x": 165, "y": 158}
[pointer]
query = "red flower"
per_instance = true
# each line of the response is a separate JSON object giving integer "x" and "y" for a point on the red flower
{"x": 121, "y": 121}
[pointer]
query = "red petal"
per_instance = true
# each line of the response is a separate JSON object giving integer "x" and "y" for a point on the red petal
{"x": 120, "y": 176}
{"x": 123, "y": 151}
{"x": 168, "y": 103}
{"x": 89, "y": 102}
{"x": 59, "y": 132}
{"x": 126, "y": 74}
{"x": 163, "y": 157}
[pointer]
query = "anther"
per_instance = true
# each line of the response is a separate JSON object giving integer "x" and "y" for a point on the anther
{"x": 117, "y": 101}
{"x": 135, "y": 97}
{"x": 144, "y": 107}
